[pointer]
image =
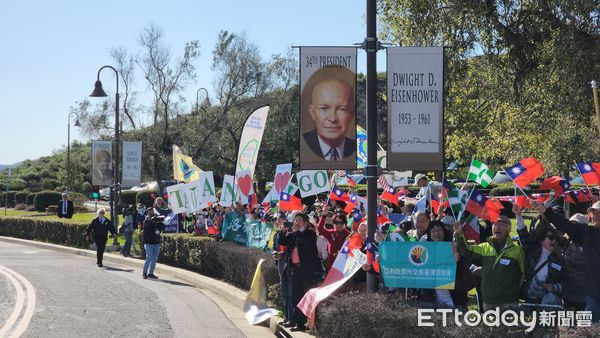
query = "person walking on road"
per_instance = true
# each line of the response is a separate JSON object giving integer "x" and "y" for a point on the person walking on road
{"x": 153, "y": 226}
{"x": 98, "y": 230}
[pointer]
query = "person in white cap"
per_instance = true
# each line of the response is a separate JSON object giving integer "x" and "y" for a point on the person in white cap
{"x": 589, "y": 237}
{"x": 434, "y": 187}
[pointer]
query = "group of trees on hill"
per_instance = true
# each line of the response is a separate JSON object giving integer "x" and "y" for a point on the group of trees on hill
{"x": 516, "y": 82}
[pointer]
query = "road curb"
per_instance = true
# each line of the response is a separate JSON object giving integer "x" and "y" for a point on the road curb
{"x": 229, "y": 293}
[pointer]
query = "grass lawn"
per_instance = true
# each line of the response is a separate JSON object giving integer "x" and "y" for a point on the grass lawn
{"x": 77, "y": 218}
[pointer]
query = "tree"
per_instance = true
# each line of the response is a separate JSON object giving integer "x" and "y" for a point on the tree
{"x": 516, "y": 74}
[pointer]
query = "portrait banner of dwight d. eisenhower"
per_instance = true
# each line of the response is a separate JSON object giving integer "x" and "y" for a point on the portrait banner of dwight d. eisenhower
{"x": 328, "y": 108}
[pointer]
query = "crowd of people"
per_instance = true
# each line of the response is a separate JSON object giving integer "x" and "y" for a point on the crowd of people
{"x": 554, "y": 263}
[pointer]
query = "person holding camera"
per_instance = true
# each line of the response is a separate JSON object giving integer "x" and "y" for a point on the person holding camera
{"x": 98, "y": 230}
{"x": 153, "y": 226}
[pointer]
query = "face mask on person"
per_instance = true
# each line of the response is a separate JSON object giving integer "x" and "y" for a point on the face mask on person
{"x": 141, "y": 210}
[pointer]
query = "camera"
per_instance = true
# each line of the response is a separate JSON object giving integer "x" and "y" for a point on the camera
{"x": 288, "y": 224}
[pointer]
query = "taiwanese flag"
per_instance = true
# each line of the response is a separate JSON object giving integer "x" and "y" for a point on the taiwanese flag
{"x": 351, "y": 204}
{"x": 476, "y": 203}
{"x": 252, "y": 201}
{"x": 289, "y": 202}
{"x": 381, "y": 218}
{"x": 556, "y": 183}
{"x": 491, "y": 212}
{"x": 578, "y": 196}
{"x": 338, "y": 194}
{"x": 435, "y": 204}
{"x": 389, "y": 194}
{"x": 525, "y": 171}
{"x": 523, "y": 202}
{"x": 372, "y": 251}
{"x": 354, "y": 242}
{"x": 590, "y": 172}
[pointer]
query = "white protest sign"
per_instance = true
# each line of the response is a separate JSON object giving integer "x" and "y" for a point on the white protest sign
{"x": 283, "y": 174}
{"x": 193, "y": 196}
{"x": 291, "y": 189}
{"x": 312, "y": 182}
{"x": 229, "y": 192}
{"x": 244, "y": 182}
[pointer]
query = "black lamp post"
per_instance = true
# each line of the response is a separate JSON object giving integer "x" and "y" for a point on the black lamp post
{"x": 69, "y": 147}
{"x": 115, "y": 188}
{"x": 206, "y": 100}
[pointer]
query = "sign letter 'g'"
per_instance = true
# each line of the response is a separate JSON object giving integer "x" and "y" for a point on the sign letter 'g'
{"x": 312, "y": 182}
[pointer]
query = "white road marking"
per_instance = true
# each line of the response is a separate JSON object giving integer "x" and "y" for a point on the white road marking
{"x": 18, "y": 306}
{"x": 22, "y": 325}
{"x": 30, "y": 252}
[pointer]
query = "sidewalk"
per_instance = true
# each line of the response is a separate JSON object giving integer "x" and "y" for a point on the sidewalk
{"x": 226, "y": 296}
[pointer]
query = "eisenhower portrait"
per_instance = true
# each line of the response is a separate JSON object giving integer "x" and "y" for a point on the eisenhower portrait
{"x": 101, "y": 168}
{"x": 328, "y": 139}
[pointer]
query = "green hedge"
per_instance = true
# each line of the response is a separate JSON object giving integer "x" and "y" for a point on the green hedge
{"x": 222, "y": 260}
{"x": 21, "y": 197}
{"x": 29, "y": 199}
{"x": 44, "y": 199}
{"x": 145, "y": 197}
{"x": 70, "y": 234}
{"x": 361, "y": 314}
{"x": 128, "y": 197}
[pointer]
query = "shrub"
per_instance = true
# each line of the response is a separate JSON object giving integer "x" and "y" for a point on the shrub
{"x": 362, "y": 314}
{"x": 21, "y": 197}
{"x": 223, "y": 260}
{"x": 236, "y": 264}
{"x": 77, "y": 198}
{"x": 145, "y": 197}
{"x": 29, "y": 199}
{"x": 70, "y": 234}
{"x": 43, "y": 199}
{"x": 128, "y": 197}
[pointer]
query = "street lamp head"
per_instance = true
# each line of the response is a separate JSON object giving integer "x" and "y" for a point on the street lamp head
{"x": 77, "y": 124}
{"x": 207, "y": 102}
{"x": 98, "y": 91}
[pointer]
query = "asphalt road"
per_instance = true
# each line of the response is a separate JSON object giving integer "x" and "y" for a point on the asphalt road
{"x": 66, "y": 295}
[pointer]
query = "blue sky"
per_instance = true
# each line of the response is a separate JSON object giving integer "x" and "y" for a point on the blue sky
{"x": 52, "y": 50}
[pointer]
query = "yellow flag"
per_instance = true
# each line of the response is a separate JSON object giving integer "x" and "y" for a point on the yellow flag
{"x": 184, "y": 168}
{"x": 254, "y": 306}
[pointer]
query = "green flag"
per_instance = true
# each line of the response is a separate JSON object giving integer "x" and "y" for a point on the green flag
{"x": 480, "y": 173}
{"x": 395, "y": 236}
{"x": 457, "y": 199}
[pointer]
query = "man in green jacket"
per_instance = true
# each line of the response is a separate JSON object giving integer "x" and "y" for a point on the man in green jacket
{"x": 503, "y": 265}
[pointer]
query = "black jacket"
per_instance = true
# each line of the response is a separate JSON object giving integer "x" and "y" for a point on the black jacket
{"x": 589, "y": 237}
{"x": 69, "y": 213}
{"x": 306, "y": 242}
{"x": 152, "y": 229}
{"x": 99, "y": 229}
{"x": 557, "y": 268}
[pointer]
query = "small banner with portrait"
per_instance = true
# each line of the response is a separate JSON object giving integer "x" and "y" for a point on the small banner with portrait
{"x": 415, "y": 88}
{"x": 102, "y": 166}
{"x": 328, "y": 108}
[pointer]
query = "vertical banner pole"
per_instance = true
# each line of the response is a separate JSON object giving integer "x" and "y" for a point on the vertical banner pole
{"x": 371, "y": 45}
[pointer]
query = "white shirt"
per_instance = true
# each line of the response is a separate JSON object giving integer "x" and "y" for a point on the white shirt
{"x": 325, "y": 148}
{"x": 322, "y": 245}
